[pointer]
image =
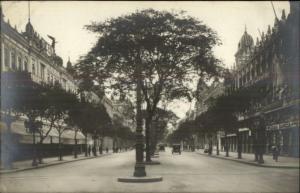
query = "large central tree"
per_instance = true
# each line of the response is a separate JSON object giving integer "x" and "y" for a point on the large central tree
{"x": 172, "y": 51}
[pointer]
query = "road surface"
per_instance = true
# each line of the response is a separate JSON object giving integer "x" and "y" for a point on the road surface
{"x": 188, "y": 172}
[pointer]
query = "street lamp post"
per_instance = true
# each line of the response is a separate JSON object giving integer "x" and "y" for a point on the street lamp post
{"x": 139, "y": 169}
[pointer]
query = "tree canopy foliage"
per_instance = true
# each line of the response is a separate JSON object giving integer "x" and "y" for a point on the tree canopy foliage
{"x": 171, "y": 48}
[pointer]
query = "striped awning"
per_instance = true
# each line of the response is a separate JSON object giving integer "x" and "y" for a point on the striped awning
{"x": 18, "y": 128}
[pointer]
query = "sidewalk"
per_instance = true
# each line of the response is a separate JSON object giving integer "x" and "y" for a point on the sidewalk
{"x": 26, "y": 164}
{"x": 283, "y": 162}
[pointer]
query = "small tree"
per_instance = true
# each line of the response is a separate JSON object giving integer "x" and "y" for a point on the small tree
{"x": 74, "y": 120}
{"x": 207, "y": 125}
{"x": 59, "y": 102}
{"x": 90, "y": 119}
{"x": 20, "y": 95}
{"x": 159, "y": 126}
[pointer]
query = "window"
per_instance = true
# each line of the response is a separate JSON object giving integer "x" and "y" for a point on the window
{"x": 257, "y": 70}
{"x": 26, "y": 64}
{"x": 13, "y": 60}
{"x": 48, "y": 76}
{"x": 37, "y": 69}
{"x": 19, "y": 63}
{"x": 42, "y": 71}
{"x": 252, "y": 73}
{"x": 6, "y": 57}
{"x": 33, "y": 67}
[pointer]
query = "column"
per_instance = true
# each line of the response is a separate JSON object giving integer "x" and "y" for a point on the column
{"x": 2, "y": 57}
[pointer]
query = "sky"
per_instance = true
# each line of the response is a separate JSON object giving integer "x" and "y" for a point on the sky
{"x": 65, "y": 20}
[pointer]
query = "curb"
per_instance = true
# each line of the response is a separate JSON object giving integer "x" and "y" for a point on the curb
{"x": 51, "y": 164}
{"x": 140, "y": 179}
{"x": 250, "y": 163}
{"x": 151, "y": 163}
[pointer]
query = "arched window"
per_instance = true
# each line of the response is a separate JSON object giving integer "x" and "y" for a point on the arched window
{"x": 13, "y": 60}
{"x": 33, "y": 66}
{"x": 6, "y": 57}
{"x": 48, "y": 77}
{"x": 25, "y": 65}
{"x": 19, "y": 63}
{"x": 42, "y": 71}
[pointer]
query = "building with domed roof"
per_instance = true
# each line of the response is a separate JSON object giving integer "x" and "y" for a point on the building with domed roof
{"x": 272, "y": 63}
{"x": 245, "y": 49}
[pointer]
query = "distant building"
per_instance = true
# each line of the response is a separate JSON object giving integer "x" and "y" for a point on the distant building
{"x": 207, "y": 94}
{"x": 119, "y": 111}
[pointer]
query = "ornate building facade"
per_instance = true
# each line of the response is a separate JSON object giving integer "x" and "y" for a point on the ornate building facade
{"x": 29, "y": 52}
{"x": 273, "y": 61}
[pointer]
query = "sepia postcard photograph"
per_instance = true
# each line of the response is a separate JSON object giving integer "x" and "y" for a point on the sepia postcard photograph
{"x": 149, "y": 96}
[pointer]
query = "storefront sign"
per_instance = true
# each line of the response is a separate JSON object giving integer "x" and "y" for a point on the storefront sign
{"x": 283, "y": 125}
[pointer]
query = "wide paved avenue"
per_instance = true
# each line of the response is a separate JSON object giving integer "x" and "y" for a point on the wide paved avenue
{"x": 188, "y": 172}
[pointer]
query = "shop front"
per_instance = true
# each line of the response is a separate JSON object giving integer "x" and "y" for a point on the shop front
{"x": 285, "y": 136}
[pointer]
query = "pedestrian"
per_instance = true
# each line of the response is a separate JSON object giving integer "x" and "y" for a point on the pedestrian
{"x": 94, "y": 150}
{"x": 100, "y": 149}
{"x": 275, "y": 151}
{"x": 89, "y": 150}
{"x": 255, "y": 149}
{"x": 106, "y": 150}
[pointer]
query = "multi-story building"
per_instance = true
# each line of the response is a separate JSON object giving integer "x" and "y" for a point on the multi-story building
{"x": 28, "y": 52}
{"x": 273, "y": 61}
{"x": 119, "y": 111}
{"x": 207, "y": 94}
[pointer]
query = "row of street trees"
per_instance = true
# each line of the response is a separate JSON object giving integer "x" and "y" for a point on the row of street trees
{"x": 224, "y": 113}
{"x": 48, "y": 107}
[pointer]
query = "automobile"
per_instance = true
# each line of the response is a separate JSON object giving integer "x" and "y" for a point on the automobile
{"x": 176, "y": 148}
{"x": 206, "y": 148}
{"x": 162, "y": 148}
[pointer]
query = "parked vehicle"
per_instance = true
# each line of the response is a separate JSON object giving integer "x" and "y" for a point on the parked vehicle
{"x": 176, "y": 148}
{"x": 206, "y": 148}
{"x": 161, "y": 147}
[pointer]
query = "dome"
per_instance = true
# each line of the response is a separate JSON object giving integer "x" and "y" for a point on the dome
{"x": 29, "y": 29}
{"x": 246, "y": 41}
{"x": 69, "y": 63}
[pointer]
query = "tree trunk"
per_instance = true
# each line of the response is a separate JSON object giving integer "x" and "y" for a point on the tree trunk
{"x": 239, "y": 145}
{"x": 114, "y": 145}
{"x": 95, "y": 146}
{"x": 148, "y": 152}
{"x": 59, "y": 146}
{"x": 153, "y": 139}
{"x": 75, "y": 148}
{"x": 101, "y": 146}
{"x": 86, "y": 146}
{"x": 39, "y": 150}
{"x": 261, "y": 148}
{"x": 226, "y": 144}
{"x": 218, "y": 150}
{"x": 34, "y": 161}
{"x": 255, "y": 146}
{"x": 7, "y": 145}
